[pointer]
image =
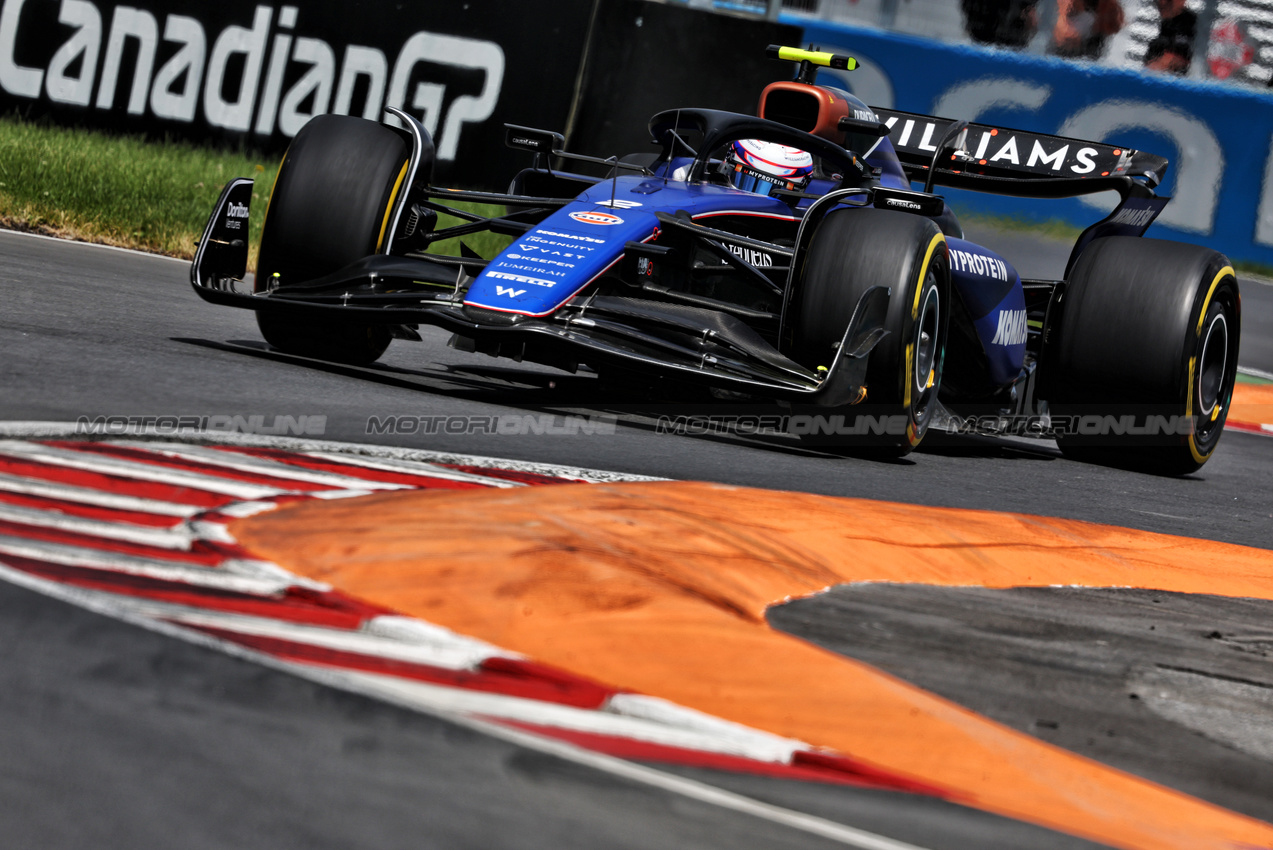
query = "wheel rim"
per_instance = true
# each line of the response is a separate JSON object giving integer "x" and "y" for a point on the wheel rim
{"x": 927, "y": 329}
{"x": 1212, "y": 359}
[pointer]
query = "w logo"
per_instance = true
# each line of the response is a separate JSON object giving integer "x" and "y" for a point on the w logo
{"x": 509, "y": 291}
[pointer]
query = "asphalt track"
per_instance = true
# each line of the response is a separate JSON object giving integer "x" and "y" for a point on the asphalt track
{"x": 120, "y": 737}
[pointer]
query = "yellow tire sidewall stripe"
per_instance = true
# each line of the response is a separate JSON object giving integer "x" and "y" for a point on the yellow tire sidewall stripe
{"x": 938, "y": 239}
{"x": 393, "y": 197}
{"x": 1193, "y": 360}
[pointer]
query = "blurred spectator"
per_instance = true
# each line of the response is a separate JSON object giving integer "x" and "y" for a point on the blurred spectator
{"x": 1083, "y": 26}
{"x": 1172, "y": 49}
{"x": 1008, "y": 23}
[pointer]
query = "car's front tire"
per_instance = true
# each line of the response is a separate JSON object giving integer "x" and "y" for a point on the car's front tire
{"x": 331, "y": 206}
{"x": 852, "y": 251}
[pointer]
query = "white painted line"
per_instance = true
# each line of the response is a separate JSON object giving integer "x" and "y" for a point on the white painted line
{"x": 668, "y": 713}
{"x": 410, "y": 467}
{"x": 246, "y": 509}
{"x": 221, "y": 578}
{"x": 97, "y": 245}
{"x": 455, "y": 653}
{"x": 132, "y": 469}
{"x": 252, "y": 568}
{"x": 410, "y": 630}
{"x": 215, "y": 531}
{"x": 99, "y": 498}
{"x": 758, "y": 746}
{"x": 178, "y": 537}
{"x": 1255, "y": 373}
{"x": 350, "y": 452}
{"x": 847, "y": 835}
{"x": 256, "y": 466}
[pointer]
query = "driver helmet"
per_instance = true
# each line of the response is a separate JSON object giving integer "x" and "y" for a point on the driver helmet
{"x": 759, "y": 167}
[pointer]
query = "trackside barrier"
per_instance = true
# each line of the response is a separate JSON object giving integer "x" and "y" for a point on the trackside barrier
{"x": 252, "y": 73}
{"x": 1218, "y": 137}
{"x": 645, "y": 57}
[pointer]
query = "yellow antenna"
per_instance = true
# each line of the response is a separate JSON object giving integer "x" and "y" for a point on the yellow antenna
{"x": 818, "y": 58}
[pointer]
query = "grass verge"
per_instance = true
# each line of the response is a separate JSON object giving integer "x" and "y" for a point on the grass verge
{"x": 133, "y": 193}
{"x": 124, "y": 191}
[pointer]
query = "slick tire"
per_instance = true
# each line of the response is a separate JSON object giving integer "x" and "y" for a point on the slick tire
{"x": 331, "y": 205}
{"x": 1140, "y": 373}
{"x": 853, "y": 250}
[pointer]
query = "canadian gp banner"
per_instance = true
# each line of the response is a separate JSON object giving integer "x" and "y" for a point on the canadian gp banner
{"x": 256, "y": 73}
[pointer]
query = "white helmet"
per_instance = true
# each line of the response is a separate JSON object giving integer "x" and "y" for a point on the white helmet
{"x": 760, "y": 167}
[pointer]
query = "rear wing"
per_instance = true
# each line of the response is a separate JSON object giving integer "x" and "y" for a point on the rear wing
{"x": 1004, "y": 161}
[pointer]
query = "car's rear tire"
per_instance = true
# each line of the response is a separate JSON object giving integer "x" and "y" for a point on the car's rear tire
{"x": 331, "y": 204}
{"x": 1142, "y": 369}
{"x": 853, "y": 250}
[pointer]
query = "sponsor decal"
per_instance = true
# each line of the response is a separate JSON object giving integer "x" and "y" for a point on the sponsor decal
{"x": 748, "y": 255}
{"x": 541, "y": 261}
{"x": 991, "y": 146}
{"x": 573, "y": 237}
{"x": 898, "y": 203}
{"x": 619, "y": 204}
{"x": 969, "y": 262}
{"x": 517, "y": 278}
{"x": 509, "y": 291}
{"x": 1012, "y": 328}
{"x": 535, "y": 269}
{"x": 530, "y": 249}
{"x": 593, "y": 217}
{"x": 233, "y": 213}
{"x": 1133, "y": 218}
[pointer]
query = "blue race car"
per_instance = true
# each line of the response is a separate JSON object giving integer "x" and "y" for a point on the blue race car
{"x": 786, "y": 256}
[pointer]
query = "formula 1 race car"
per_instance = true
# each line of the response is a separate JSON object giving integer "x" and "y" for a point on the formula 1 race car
{"x": 785, "y": 256}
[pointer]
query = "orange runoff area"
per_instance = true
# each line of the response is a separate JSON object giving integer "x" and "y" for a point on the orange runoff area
{"x": 662, "y": 587}
{"x": 1252, "y": 404}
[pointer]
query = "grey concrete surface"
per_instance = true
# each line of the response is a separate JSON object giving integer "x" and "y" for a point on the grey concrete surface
{"x": 1176, "y": 688}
